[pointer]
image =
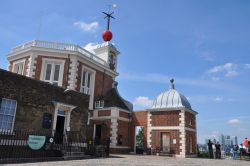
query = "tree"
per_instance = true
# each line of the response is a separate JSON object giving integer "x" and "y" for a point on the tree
{"x": 139, "y": 137}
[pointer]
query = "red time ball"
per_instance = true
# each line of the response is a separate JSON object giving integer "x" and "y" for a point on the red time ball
{"x": 107, "y": 35}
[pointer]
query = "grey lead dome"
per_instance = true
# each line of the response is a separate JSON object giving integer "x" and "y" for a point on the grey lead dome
{"x": 171, "y": 99}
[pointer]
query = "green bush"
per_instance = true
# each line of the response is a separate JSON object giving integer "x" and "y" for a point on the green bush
{"x": 203, "y": 155}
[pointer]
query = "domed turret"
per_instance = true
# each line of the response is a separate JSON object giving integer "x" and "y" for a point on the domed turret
{"x": 171, "y": 99}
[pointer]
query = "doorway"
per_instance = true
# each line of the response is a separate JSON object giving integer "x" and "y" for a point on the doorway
{"x": 165, "y": 142}
{"x": 98, "y": 134}
{"x": 59, "y": 129}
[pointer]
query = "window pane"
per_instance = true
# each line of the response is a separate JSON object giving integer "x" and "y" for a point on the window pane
{"x": 48, "y": 72}
{"x": 10, "y": 119}
{"x": 88, "y": 85}
{"x": 57, "y": 70}
{"x": 7, "y": 113}
{"x": 9, "y": 126}
{"x": 83, "y": 78}
{"x": 20, "y": 71}
{"x": 4, "y": 125}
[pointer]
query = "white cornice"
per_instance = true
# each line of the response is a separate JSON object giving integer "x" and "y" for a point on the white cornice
{"x": 60, "y": 53}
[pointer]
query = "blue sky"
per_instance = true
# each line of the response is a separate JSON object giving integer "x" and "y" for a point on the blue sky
{"x": 203, "y": 45}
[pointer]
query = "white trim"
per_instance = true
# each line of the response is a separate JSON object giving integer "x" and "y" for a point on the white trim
{"x": 110, "y": 117}
{"x": 73, "y": 71}
{"x": 92, "y": 84}
{"x": 14, "y": 116}
{"x": 67, "y": 108}
{"x": 113, "y": 132}
{"x": 172, "y": 109}
{"x": 53, "y": 62}
{"x": 190, "y": 129}
{"x": 21, "y": 61}
{"x": 182, "y": 136}
{"x": 56, "y": 53}
{"x": 117, "y": 108}
{"x": 32, "y": 66}
{"x": 149, "y": 130}
{"x": 165, "y": 128}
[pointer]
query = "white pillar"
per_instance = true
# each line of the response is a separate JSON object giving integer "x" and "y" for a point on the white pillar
{"x": 72, "y": 73}
{"x": 149, "y": 130}
{"x": 182, "y": 134}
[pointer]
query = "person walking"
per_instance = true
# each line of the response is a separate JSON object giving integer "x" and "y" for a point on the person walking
{"x": 246, "y": 144}
{"x": 210, "y": 148}
{"x": 218, "y": 150}
{"x": 235, "y": 151}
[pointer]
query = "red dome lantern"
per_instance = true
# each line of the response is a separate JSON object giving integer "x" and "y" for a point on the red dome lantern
{"x": 107, "y": 35}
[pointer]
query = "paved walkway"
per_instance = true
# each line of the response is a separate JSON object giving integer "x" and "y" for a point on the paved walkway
{"x": 136, "y": 160}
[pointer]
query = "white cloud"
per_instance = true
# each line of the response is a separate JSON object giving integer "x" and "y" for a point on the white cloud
{"x": 90, "y": 47}
{"x": 217, "y": 99}
{"x": 215, "y": 78}
{"x": 247, "y": 66}
{"x": 228, "y": 69}
{"x": 231, "y": 73}
{"x": 234, "y": 121}
{"x": 143, "y": 101}
{"x": 87, "y": 27}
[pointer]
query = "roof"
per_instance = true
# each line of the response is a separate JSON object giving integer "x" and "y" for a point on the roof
{"x": 171, "y": 99}
{"x": 113, "y": 99}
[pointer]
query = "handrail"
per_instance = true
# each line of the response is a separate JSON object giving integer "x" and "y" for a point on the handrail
{"x": 59, "y": 46}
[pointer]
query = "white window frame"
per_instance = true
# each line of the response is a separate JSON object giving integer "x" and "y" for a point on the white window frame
{"x": 19, "y": 63}
{"x": 92, "y": 84}
{"x": 54, "y": 62}
{"x": 85, "y": 89}
{"x": 14, "y": 116}
{"x": 99, "y": 104}
{"x": 191, "y": 144}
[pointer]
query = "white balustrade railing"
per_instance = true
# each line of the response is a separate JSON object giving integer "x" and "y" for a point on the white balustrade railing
{"x": 59, "y": 46}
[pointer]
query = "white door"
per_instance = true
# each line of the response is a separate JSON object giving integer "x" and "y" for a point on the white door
{"x": 165, "y": 142}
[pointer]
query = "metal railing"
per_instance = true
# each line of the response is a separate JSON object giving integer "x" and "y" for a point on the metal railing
{"x": 14, "y": 146}
{"x": 59, "y": 46}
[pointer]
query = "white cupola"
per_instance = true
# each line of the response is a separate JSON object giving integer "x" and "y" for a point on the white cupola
{"x": 108, "y": 52}
{"x": 171, "y": 99}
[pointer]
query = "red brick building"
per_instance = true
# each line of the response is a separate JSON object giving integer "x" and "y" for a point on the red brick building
{"x": 169, "y": 125}
{"x": 72, "y": 67}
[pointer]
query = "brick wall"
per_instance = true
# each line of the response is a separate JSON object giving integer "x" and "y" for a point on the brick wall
{"x": 123, "y": 114}
{"x": 123, "y": 131}
{"x": 106, "y": 125}
{"x": 139, "y": 119}
{"x": 103, "y": 82}
{"x": 35, "y": 98}
{"x": 170, "y": 118}
{"x": 191, "y": 135}
{"x": 104, "y": 112}
{"x": 190, "y": 120}
{"x": 156, "y": 140}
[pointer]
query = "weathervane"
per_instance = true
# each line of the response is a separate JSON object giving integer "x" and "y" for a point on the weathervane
{"x": 107, "y": 34}
{"x": 108, "y": 16}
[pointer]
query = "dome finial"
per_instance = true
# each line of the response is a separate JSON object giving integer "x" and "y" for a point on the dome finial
{"x": 171, "y": 84}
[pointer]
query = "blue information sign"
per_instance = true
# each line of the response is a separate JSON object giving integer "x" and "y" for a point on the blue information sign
{"x": 36, "y": 142}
